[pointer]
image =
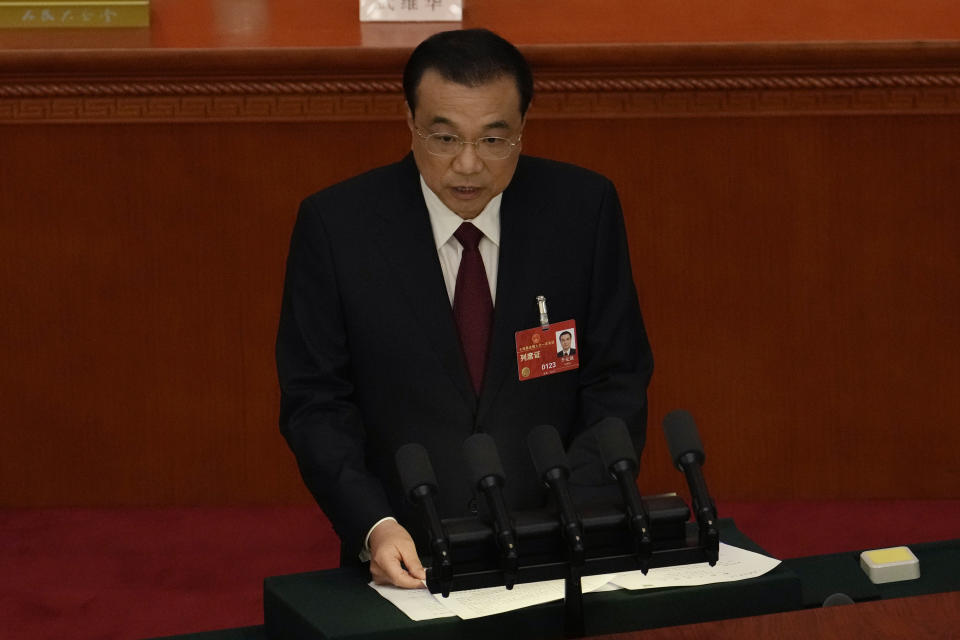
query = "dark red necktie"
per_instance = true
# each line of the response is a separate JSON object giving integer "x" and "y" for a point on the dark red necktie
{"x": 472, "y": 305}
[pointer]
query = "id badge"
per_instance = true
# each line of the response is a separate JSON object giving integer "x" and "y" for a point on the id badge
{"x": 547, "y": 349}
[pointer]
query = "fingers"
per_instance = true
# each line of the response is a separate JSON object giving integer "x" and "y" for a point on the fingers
{"x": 393, "y": 573}
{"x": 412, "y": 562}
{"x": 389, "y": 570}
{"x": 393, "y": 557}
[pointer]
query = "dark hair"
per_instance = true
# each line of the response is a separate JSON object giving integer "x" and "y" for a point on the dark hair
{"x": 470, "y": 57}
{"x": 566, "y": 333}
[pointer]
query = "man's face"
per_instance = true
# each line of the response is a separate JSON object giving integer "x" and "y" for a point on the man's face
{"x": 565, "y": 340}
{"x": 466, "y": 182}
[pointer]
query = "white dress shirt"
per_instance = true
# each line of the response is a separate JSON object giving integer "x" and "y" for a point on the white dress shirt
{"x": 444, "y": 223}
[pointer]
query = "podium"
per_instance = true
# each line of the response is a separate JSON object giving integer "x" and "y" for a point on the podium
{"x": 338, "y": 605}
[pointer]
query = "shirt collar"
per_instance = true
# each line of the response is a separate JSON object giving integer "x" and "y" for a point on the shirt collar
{"x": 445, "y": 222}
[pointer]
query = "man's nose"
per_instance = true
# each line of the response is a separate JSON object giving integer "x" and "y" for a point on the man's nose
{"x": 467, "y": 161}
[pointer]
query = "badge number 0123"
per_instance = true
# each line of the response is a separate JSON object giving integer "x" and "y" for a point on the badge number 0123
{"x": 544, "y": 351}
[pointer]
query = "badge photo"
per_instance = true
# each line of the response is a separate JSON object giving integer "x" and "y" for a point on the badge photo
{"x": 546, "y": 350}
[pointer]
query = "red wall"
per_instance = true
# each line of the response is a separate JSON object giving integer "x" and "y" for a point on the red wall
{"x": 794, "y": 246}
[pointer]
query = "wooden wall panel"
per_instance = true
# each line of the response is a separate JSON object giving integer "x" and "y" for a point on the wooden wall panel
{"x": 547, "y": 21}
{"x": 791, "y": 212}
{"x": 799, "y": 277}
{"x": 141, "y": 271}
{"x": 196, "y": 24}
{"x": 801, "y": 284}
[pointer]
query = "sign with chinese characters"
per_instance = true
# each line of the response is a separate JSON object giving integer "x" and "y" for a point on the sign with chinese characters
{"x": 411, "y": 10}
{"x": 43, "y": 14}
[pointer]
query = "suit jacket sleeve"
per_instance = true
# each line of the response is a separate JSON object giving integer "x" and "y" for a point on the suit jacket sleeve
{"x": 318, "y": 416}
{"x": 616, "y": 360}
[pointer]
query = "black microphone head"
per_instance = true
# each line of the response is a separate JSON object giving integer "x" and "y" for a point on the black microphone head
{"x": 546, "y": 449}
{"x": 482, "y": 458}
{"x": 837, "y": 599}
{"x": 615, "y": 442}
{"x": 682, "y": 436}
{"x": 414, "y": 467}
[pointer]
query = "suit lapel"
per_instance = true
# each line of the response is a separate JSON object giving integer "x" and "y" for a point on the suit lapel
{"x": 515, "y": 307}
{"x": 406, "y": 241}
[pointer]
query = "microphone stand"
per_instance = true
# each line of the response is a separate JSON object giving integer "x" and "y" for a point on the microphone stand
{"x": 439, "y": 542}
{"x": 570, "y": 521}
{"x": 704, "y": 511}
{"x": 505, "y": 533}
{"x": 574, "y": 625}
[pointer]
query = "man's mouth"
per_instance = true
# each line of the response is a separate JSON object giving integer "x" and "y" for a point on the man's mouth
{"x": 466, "y": 192}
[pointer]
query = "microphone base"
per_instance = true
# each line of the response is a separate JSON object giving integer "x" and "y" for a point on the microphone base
{"x": 478, "y": 578}
{"x": 608, "y": 542}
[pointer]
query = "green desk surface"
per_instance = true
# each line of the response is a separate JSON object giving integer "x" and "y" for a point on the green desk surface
{"x": 371, "y": 616}
{"x": 841, "y": 573}
{"x": 338, "y": 605}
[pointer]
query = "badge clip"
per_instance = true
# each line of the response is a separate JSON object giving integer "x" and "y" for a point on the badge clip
{"x": 544, "y": 318}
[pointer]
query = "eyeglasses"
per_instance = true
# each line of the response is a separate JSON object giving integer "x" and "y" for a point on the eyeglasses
{"x": 449, "y": 145}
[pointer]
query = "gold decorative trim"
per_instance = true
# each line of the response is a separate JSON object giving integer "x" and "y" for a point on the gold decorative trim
{"x": 188, "y": 88}
{"x": 766, "y": 82}
{"x": 379, "y": 99}
{"x": 201, "y": 108}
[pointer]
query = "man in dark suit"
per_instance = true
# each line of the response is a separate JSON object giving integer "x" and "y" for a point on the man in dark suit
{"x": 405, "y": 287}
{"x": 566, "y": 339}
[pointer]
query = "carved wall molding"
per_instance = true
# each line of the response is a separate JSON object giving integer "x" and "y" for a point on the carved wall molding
{"x": 726, "y": 83}
{"x": 597, "y": 95}
{"x": 197, "y": 88}
{"x": 719, "y": 103}
{"x": 766, "y": 82}
{"x": 200, "y": 108}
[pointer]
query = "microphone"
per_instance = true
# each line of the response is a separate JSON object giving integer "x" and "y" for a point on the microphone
{"x": 687, "y": 453}
{"x": 420, "y": 486}
{"x": 487, "y": 474}
{"x": 620, "y": 459}
{"x": 550, "y": 461}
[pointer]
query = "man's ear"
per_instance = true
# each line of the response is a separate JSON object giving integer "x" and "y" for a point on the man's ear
{"x": 410, "y": 124}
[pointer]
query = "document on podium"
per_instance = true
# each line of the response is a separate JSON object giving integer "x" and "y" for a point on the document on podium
{"x": 733, "y": 564}
{"x": 419, "y": 604}
{"x": 476, "y": 603}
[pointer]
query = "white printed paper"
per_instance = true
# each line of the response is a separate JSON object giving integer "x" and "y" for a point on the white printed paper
{"x": 733, "y": 564}
{"x": 475, "y": 603}
{"x": 418, "y": 604}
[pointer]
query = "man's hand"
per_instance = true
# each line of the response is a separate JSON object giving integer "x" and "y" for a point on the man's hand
{"x": 391, "y": 545}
